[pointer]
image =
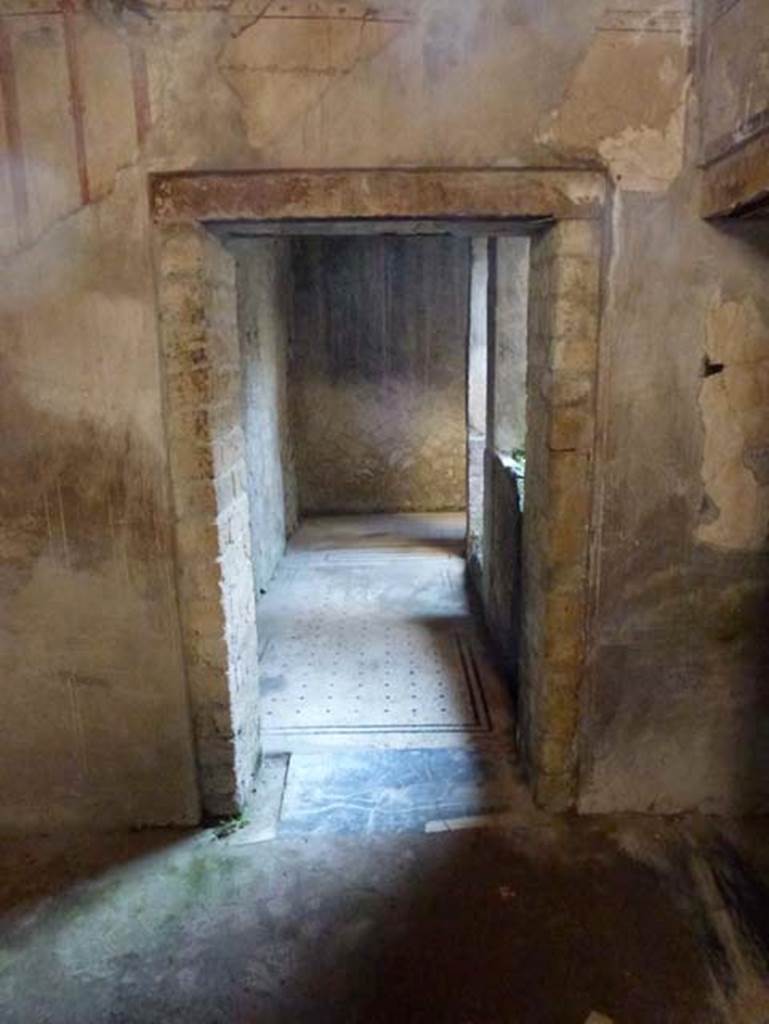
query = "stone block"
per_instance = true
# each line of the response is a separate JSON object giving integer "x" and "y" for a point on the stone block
{"x": 554, "y": 754}
{"x": 181, "y": 250}
{"x": 571, "y": 427}
{"x": 554, "y": 793}
{"x": 562, "y": 632}
{"x": 554, "y": 705}
{"x": 568, "y": 516}
{"x": 195, "y": 499}
{"x": 576, "y": 239}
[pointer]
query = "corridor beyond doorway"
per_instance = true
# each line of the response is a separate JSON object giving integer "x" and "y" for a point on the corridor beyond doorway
{"x": 225, "y": 298}
{"x": 378, "y": 682}
{"x": 367, "y": 639}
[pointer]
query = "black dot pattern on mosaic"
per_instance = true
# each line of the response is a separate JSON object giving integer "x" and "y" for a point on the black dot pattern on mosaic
{"x": 361, "y": 650}
{"x": 394, "y": 675}
{"x": 384, "y": 673}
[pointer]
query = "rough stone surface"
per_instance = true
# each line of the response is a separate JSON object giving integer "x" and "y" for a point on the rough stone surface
{"x": 95, "y": 707}
{"x": 207, "y": 445}
{"x": 377, "y": 377}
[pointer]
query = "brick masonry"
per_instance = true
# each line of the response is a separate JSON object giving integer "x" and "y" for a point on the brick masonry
{"x": 564, "y": 305}
{"x": 197, "y": 293}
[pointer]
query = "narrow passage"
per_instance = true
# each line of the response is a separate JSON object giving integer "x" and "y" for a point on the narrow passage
{"x": 378, "y": 681}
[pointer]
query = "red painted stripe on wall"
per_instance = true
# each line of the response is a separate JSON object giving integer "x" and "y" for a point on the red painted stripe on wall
{"x": 17, "y": 169}
{"x": 141, "y": 90}
{"x": 77, "y": 103}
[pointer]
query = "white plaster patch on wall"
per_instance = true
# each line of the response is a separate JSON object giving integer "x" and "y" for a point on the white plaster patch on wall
{"x": 647, "y": 159}
{"x": 734, "y": 403}
{"x": 627, "y": 101}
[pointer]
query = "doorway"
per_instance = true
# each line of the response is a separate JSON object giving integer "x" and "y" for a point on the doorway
{"x": 376, "y": 679}
{"x": 198, "y": 291}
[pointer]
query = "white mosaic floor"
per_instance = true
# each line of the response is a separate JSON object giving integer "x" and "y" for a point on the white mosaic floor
{"x": 367, "y": 640}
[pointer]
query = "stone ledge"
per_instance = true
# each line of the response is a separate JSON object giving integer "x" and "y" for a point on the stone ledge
{"x": 577, "y": 194}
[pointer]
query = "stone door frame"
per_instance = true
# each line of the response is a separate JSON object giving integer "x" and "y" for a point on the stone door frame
{"x": 564, "y": 211}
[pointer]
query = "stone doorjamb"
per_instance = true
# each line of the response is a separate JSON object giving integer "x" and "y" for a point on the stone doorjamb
{"x": 564, "y": 210}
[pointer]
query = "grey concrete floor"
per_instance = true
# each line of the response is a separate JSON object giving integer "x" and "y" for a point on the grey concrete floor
{"x": 643, "y": 921}
{"x": 404, "y": 878}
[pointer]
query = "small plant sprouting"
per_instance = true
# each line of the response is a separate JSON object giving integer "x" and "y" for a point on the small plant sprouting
{"x": 230, "y": 825}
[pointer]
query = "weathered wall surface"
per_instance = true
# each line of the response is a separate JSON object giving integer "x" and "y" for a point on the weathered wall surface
{"x": 733, "y": 80}
{"x": 733, "y": 74}
{"x": 264, "y": 296}
{"x": 677, "y": 699}
{"x": 94, "y": 704}
{"x": 205, "y": 428}
{"x": 377, "y": 373}
{"x": 505, "y": 434}
{"x": 94, "y": 698}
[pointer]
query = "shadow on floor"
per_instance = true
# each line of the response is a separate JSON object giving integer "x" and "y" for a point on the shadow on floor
{"x": 535, "y": 925}
{"x": 34, "y": 870}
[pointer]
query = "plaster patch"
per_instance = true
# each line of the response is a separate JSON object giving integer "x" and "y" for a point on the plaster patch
{"x": 646, "y": 159}
{"x": 627, "y": 101}
{"x": 735, "y": 412}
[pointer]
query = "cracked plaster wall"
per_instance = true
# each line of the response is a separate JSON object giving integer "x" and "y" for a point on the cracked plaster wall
{"x": 95, "y": 707}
